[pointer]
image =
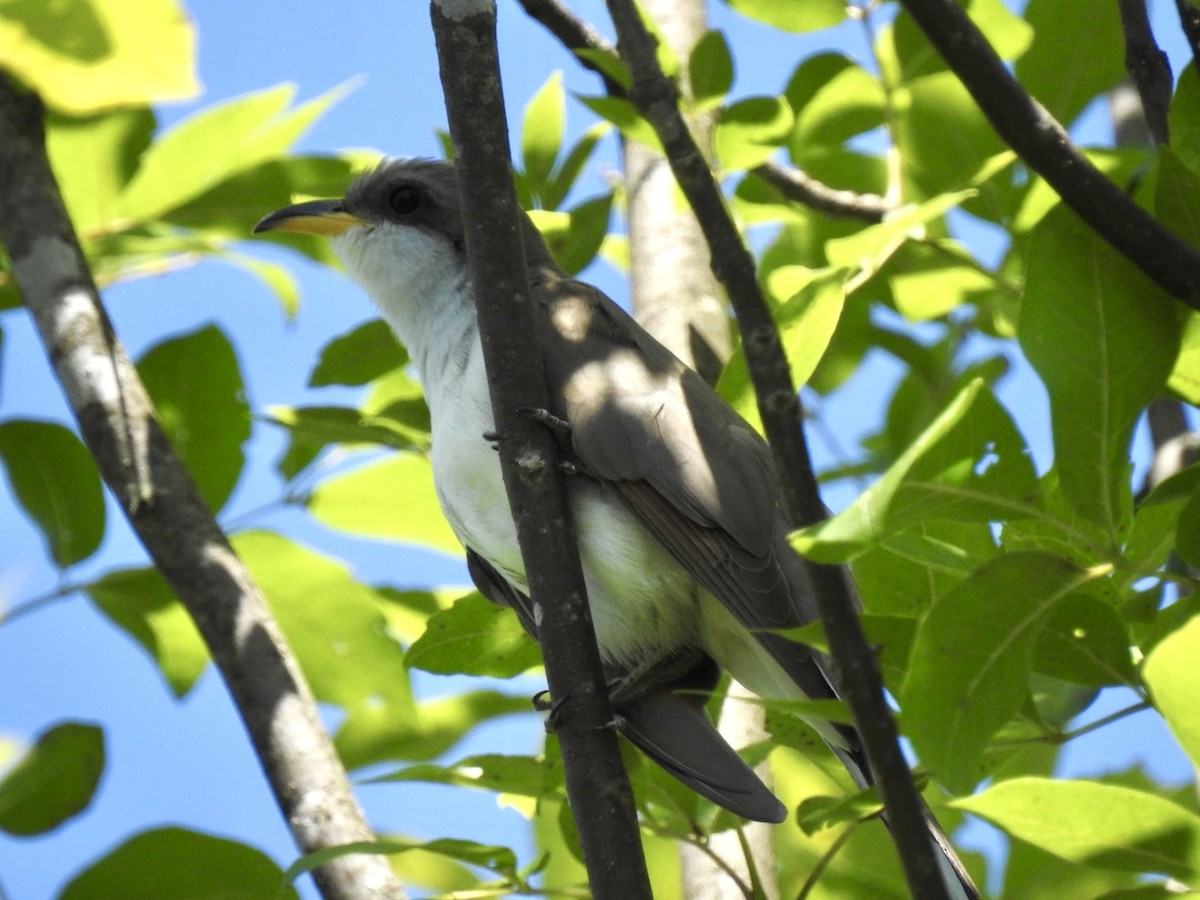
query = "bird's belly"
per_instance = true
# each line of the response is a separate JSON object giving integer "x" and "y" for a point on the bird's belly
{"x": 643, "y": 604}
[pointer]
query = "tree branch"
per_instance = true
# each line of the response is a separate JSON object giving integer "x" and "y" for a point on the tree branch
{"x": 597, "y": 786}
{"x": 575, "y": 34}
{"x": 1044, "y": 144}
{"x": 1189, "y": 23}
{"x": 117, "y": 422}
{"x": 1148, "y": 67}
{"x": 779, "y": 406}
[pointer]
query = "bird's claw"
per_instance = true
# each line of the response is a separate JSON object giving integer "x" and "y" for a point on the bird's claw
{"x": 547, "y": 418}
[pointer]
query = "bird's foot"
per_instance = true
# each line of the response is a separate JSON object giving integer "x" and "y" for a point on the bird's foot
{"x": 547, "y": 418}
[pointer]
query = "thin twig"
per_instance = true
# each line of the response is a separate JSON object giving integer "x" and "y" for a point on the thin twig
{"x": 1189, "y": 23}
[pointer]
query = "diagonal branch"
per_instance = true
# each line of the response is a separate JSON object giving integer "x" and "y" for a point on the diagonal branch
{"x": 601, "y": 800}
{"x": 779, "y": 406}
{"x": 117, "y": 422}
{"x": 1044, "y": 144}
{"x": 1189, "y": 22}
{"x": 575, "y": 34}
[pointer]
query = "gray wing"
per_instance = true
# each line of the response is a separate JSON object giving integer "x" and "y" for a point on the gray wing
{"x": 693, "y": 472}
{"x": 672, "y": 729}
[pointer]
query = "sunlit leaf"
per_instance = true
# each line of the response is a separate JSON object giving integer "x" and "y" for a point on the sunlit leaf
{"x": 710, "y": 70}
{"x": 142, "y": 603}
{"x": 969, "y": 465}
{"x": 1083, "y": 295}
{"x": 198, "y": 393}
{"x": 93, "y": 159}
{"x": 806, "y": 324}
{"x": 83, "y": 56}
{"x": 1099, "y": 825}
{"x": 56, "y": 482}
{"x": 53, "y": 781}
{"x": 624, "y": 115}
{"x": 1085, "y": 642}
{"x": 393, "y": 498}
{"x": 333, "y": 623}
{"x": 972, "y": 657}
{"x": 175, "y": 862}
{"x": 793, "y": 15}
{"x": 215, "y": 144}
{"x": 542, "y": 130}
{"x": 833, "y": 99}
{"x": 1173, "y": 677}
{"x": 496, "y": 859}
{"x": 359, "y": 356}
{"x": 474, "y": 637}
{"x": 1094, "y": 58}
{"x": 750, "y": 131}
{"x": 522, "y": 775}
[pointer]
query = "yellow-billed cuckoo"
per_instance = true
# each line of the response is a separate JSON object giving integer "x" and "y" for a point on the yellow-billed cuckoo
{"x": 682, "y": 535}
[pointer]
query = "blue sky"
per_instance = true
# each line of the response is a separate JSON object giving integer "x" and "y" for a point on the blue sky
{"x": 188, "y": 762}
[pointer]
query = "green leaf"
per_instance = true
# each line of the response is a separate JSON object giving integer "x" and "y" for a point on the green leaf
{"x": 141, "y": 603}
{"x": 183, "y": 865}
{"x": 56, "y": 482}
{"x": 806, "y": 324}
{"x": 574, "y": 238}
{"x": 496, "y": 859}
{"x": 474, "y": 637}
{"x": 869, "y": 248}
{"x": 750, "y": 131}
{"x": 215, "y": 144}
{"x": 1174, "y": 681}
{"x": 199, "y": 396}
{"x": 834, "y": 100}
{"x": 372, "y": 734}
{"x": 1184, "y": 118}
{"x": 1123, "y": 335}
{"x": 333, "y": 622}
{"x": 1085, "y": 642}
{"x": 624, "y": 115}
{"x": 54, "y": 781}
{"x": 927, "y": 282}
{"x": 1099, "y": 825}
{"x": 560, "y": 182}
{"x": 524, "y": 776}
{"x": 972, "y": 658}
{"x": 1094, "y": 56}
{"x": 710, "y": 70}
{"x": 361, "y": 355}
{"x": 543, "y": 130}
{"x": 93, "y": 158}
{"x": 83, "y": 56}
{"x": 793, "y": 15}
{"x": 393, "y": 498}
{"x": 321, "y": 425}
{"x": 1184, "y": 380}
{"x": 970, "y": 465}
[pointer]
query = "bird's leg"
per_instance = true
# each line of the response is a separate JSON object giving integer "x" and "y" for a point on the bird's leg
{"x": 685, "y": 669}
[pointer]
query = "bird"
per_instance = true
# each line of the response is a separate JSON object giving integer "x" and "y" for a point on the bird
{"x": 682, "y": 533}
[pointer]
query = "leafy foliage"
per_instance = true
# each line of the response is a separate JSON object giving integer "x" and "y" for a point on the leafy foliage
{"x": 1004, "y": 598}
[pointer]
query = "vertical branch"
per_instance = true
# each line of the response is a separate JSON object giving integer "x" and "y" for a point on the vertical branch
{"x": 601, "y": 800}
{"x": 1189, "y": 22}
{"x": 779, "y": 405}
{"x": 1148, "y": 67}
{"x": 117, "y": 423}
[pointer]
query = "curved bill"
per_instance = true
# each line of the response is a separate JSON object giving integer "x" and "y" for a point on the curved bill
{"x": 322, "y": 217}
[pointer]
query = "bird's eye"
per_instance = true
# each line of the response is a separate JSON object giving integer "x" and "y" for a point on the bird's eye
{"x": 405, "y": 200}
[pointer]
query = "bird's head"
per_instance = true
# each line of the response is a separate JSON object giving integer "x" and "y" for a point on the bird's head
{"x": 398, "y": 230}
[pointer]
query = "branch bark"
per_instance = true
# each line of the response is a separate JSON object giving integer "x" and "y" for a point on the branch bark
{"x": 117, "y": 422}
{"x": 1044, "y": 144}
{"x": 1148, "y": 67}
{"x": 779, "y": 406}
{"x": 601, "y": 800}
{"x": 1189, "y": 22}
